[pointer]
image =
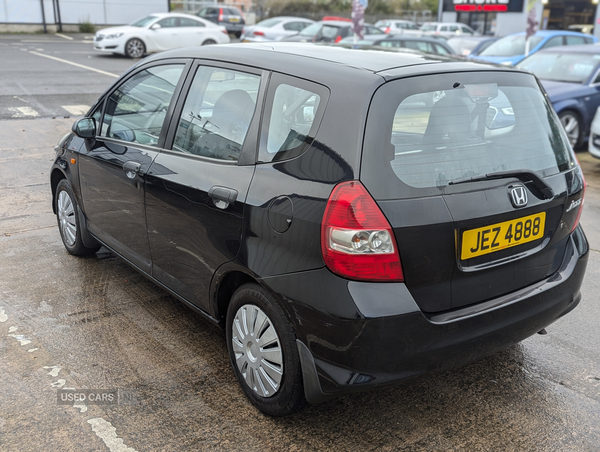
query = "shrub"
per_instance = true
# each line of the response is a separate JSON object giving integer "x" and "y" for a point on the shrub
{"x": 86, "y": 27}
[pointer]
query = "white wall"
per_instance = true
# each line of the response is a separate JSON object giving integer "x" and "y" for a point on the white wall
{"x": 99, "y": 12}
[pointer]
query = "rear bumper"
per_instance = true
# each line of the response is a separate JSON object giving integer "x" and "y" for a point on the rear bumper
{"x": 359, "y": 336}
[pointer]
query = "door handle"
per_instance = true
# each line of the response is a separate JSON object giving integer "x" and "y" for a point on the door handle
{"x": 131, "y": 168}
{"x": 222, "y": 196}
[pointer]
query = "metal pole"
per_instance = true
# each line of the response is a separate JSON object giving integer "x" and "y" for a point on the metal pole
{"x": 440, "y": 9}
{"x": 59, "y": 19}
{"x": 168, "y": 6}
{"x": 44, "y": 16}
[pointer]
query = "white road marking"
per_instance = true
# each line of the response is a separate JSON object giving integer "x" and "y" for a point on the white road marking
{"x": 55, "y": 370}
{"x": 3, "y": 316}
{"x": 76, "y": 110}
{"x": 23, "y": 112}
{"x": 12, "y": 329}
{"x": 59, "y": 383}
{"x": 81, "y": 406}
{"x": 22, "y": 339}
{"x": 88, "y": 42}
{"x": 75, "y": 64}
{"x": 63, "y": 36}
{"x": 31, "y": 350}
{"x": 107, "y": 433}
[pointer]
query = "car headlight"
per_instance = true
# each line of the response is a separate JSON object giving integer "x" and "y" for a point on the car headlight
{"x": 114, "y": 36}
{"x": 506, "y": 63}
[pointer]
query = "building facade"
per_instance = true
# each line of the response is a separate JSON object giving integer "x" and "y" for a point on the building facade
{"x": 31, "y": 15}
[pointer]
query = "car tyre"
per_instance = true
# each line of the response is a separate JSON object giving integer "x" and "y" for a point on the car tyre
{"x": 263, "y": 352}
{"x": 68, "y": 220}
{"x": 209, "y": 42}
{"x": 571, "y": 122}
{"x": 135, "y": 48}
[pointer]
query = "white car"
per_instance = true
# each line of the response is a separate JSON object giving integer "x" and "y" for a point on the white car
{"x": 594, "y": 140}
{"x": 447, "y": 29}
{"x": 392, "y": 26}
{"x": 274, "y": 29}
{"x": 158, "y": 32}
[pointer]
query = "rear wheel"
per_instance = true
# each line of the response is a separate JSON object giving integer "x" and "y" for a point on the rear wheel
{"x": 135, "y": 48}
{"x": 263, "y": 352}
{"x": 571, "y": 122}
{"x": 209, "y": 42}
{"x": 68, "y": 221}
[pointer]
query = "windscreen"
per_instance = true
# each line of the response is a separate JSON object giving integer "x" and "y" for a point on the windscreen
{"x": 311, "y": 30}
{"x": 423, "y": 133}
{"x": 511, "y": 45}
{"x": 144, "y": 21}
{"x": 562, "y": 67}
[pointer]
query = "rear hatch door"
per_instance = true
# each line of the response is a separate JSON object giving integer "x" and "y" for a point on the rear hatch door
{"x": 477, "y": 179}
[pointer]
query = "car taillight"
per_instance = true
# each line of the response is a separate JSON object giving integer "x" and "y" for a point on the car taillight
{"x": 220, "y": 19}
{"x": 338, "y": 39}
{"x": 388, "y": 29}
{"x": 259, "y": 33}
{"x": 578, "y": 217}
{"x": 357, "y": 242}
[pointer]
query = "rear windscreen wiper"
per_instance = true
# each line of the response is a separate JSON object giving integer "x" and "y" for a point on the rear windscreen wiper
{"x": 522, "y": 175}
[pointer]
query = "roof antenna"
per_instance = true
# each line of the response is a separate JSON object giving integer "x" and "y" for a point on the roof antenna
{"x": 456, "y": 85}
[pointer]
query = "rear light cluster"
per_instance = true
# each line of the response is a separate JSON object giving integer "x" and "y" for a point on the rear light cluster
{"x": 357, "y": 241}
{"x": 578, "y": 217}
{"x": 338, "y": 39}
{"x": 220, "y": 19}
{"x": 259, "y": 33}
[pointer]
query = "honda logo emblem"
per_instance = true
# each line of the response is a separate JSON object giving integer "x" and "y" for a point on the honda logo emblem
{"x": 518, "y": 196}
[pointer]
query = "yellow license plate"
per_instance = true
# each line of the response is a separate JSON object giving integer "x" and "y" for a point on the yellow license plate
{"x": 234, "y": 19}
{"x": 496, "y": 237}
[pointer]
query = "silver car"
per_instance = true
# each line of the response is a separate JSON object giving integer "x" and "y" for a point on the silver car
{"x": 393, "y": 26}
{"x": 274, "y": 29}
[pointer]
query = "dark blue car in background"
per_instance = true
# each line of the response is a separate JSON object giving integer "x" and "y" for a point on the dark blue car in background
{"x": 571, "y": 77}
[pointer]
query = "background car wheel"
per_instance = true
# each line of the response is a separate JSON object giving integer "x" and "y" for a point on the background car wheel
{"x": 135, "y": 48}
{"x": 68, "y": 221}
{"x": 571, "y": 122}
{"x": 209, "y": 42}
{"x": 263, "y": 352}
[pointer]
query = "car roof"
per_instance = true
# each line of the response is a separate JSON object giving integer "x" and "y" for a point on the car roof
{"x": 549, "y": 33}
{"x": 583, "y": 48}
{"x": 303, "y": 57}
{"x": 401, "y": 37}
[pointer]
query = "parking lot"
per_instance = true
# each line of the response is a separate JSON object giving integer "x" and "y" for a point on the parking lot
{"x": 95, "y": 323}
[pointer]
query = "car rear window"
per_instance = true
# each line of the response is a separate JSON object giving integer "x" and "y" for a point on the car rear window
{"x": 424, "y": 132}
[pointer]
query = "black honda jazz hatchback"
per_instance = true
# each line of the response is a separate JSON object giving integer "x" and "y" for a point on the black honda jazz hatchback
{"x": 350, "y": 218}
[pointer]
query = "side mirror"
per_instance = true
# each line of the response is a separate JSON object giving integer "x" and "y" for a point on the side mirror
{"x": 155, "y": 27}
{"x": 85, "y": 128}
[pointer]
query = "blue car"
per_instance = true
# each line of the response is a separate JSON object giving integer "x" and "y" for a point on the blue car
{"x": 571, "y": 77}
{"x": 511, "y": 49}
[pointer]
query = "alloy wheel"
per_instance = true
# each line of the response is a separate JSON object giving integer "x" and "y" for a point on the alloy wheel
{"x": 571, "y": 125}
{"x": 66, "y": 218}
{"x": 135, "y": 48}
{"x": 257, "y": 348}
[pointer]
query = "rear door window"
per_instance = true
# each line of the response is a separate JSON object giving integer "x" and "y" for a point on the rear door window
{"x": 574, "y": 40}
{"x": 426, "y": 132}
{"x": 217, "y": 113}
{"x": 294, "y": 111}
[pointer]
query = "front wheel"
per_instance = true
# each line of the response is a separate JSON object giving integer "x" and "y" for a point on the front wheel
{"x": 135, "y": 48}
{"x": 571, "y": 122}
{"x": 263, "y": 352}
{"x": 68, "y": 221}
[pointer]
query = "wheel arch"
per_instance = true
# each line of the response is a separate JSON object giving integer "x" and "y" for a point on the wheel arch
{"x": 55, "y": 177}
{"x": 230, "y": 277}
